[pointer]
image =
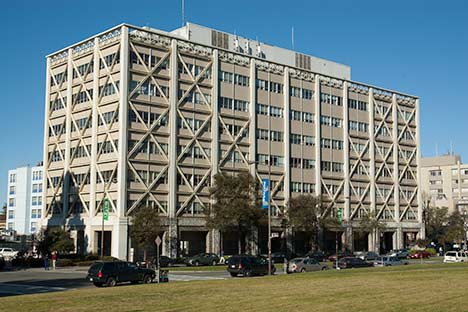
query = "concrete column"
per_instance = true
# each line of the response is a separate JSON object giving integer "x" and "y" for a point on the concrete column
{"x": 214, "y": 116}
{"x": 349, "y": 240}
{"x": 347, "y": 212}
{"x": 94, "y": 130}
{"x": 253, "y": 118}
{"x": 399, "y": 238}
{"x": 372, "y": 149}
{"x": 252, "y": 242}
{"x": 46, "y": 145}
{"x": 396, "y": 174}
{"x": 289, "y": 240}
{"x": 120, "y": 228}
{"x": 66, "y": 168}
{"x": 171, "y": 235}
{"x": 422, "y": 231}
{"x": 318, "y": 131}
{"x": 287, "y": 144}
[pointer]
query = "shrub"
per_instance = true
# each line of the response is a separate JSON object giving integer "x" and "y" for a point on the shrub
{"x": 431, "y": 251}
{"x": 65, "y": 262}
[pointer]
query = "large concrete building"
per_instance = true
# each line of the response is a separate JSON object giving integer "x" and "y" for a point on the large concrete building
{"x": 147, "y": 117}
{"x": 444, "y": 182}
{"x": 25, "y": 197}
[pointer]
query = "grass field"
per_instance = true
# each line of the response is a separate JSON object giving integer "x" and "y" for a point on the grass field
{"x": 438, "y": 287}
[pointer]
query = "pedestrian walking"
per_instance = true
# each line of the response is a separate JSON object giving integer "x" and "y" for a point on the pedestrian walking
{"x": 46, "y": 262}
{"x": 54, "y": 259}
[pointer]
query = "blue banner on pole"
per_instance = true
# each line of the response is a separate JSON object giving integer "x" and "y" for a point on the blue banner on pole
{"x": 265, "y": 193}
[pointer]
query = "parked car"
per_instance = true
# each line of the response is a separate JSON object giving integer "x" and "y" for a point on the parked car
{"x": 366, "y": 255}
{"x": 400, "y": 253}
{"x": 247, "y": 265}
{"x": 351, "y": 263}
{"x": 420, "y": 254}
{"x": 110, "y": 273}
{"x": 455, "y": 256}
{"x": 346, "y": 253}
{"x": 164, "y": 261}
{"x": 202, "y": 259}
{"x": 388, "y": 261}
{"x": 297, "y": 265}
{"x": 278, "y": 257}
{"x": 318, "y": 255}
{"x": 8, "y": 252}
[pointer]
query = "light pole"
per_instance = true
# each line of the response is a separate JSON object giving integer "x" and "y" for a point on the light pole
{"x": 269, "y": 210}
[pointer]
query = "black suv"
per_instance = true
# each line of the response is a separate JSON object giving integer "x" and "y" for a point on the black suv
{"x": 110, "y": 273}
{"x": 248, "y": 265}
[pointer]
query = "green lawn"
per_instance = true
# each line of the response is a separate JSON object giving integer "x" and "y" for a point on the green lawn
{"x": 438, "y": 287}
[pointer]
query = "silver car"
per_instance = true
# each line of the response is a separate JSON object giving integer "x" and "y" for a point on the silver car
{"x": 297, "y": 265}
{"x": 388, "y": 261}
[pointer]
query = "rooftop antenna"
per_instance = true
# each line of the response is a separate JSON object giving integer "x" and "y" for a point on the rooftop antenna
{"x": 292, "y": 37}
{"x": 183, "y": 12}
{"x": 451, "y": 147}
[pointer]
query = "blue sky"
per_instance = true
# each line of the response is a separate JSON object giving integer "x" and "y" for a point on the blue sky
{"x": 419, "y": 47}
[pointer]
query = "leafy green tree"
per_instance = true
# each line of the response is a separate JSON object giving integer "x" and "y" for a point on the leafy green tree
{"x": 55, "y": 239}
{"x": 455, "y": 231}
{"x": 435, "y": 221}
{"x": 145, "y": 228}
{"x": 236, "y": 205}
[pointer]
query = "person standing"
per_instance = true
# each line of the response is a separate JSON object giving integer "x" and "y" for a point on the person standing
{"x": 46, "y": 262}
{"x": 54, "y": 259}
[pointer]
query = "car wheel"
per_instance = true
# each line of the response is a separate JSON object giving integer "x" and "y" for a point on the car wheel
{"x": 324, "y": 268}
{"x": 111, "y": 282}
{"x": 214, "y": 262}
{"x": 303, "y": 270}
{"x": 196, "y": 263}
{"x": 97, "y": 284}
{"x": 248, "y": 273}
{"x": 233, "y": 274}
{"x": 147, "y": 279}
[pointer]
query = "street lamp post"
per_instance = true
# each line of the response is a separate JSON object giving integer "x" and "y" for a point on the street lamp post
{"x": 269, "y": 211}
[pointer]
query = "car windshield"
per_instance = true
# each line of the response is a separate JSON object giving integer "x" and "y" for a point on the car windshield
{"x": 296, "y": 260}
{"x": 95, "y": 267}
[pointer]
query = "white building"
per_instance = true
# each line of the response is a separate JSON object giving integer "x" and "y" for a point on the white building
{"x": 24, "y": 206}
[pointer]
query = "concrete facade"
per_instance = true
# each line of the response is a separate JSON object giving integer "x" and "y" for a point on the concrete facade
{"x": 445, "y": 182}
{"x": 146, "y": 117}
{"x": 24, "y": 200}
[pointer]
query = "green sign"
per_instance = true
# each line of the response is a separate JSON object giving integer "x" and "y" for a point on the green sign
{"x": 106, "y": 210}
{"x": 339, "y": 215}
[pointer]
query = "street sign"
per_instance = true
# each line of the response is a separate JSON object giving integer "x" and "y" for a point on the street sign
{"x": 339, "y": 215}
{"x": 158, "y": 240}
{"x": 265, "y": 193}
{"x": 106, "y": 210}
{"x": 274, "y": 235}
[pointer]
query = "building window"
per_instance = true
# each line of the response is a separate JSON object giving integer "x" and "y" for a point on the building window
{"x": 435, "y": 173}
{"x": 331, "y": 121}
{"x": 12, "y": 202}
{"x": 11, "y": 225}
{"x": 356, "y": 104}
{"x": 13, "y": 178}
{"x": 12, "y": 190}
{"x": 269, "y": 86}
{"x": 332, "y": 166}
{"x": 11, "y": 214}
{"x": 330, "y": 99}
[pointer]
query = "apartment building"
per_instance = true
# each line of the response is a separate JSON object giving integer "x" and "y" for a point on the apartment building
{"x": 24, "y": 200}
{"x": 444, "y": 182}
{"x": 145, "y": 117}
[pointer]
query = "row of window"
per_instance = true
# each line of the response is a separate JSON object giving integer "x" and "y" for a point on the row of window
{"x": 37, "y": 188}
{"x": 195, "y": 70}
{"x": 357, "y": 104}
{"x": 273, "y": 160}
{"x": 148, "y": 147}
{"x": 275, "y": 136}
{"x": 271, "y": 86}
{"x": 302, "y": 139}
{"x": 358, "y": 126}
{"x": 36, "y": 200}
{"x": 331, "y": 99}
{"x": 332, "y": 166}
{"x": 237, "y": 79}
{"x": 302, "y": 163}
{"x": 266, "y": 110}
{"x": 147, "y": 117}
{"x": 331, "y": 143}
{"x": 301, "y": 93}
{"x": 298, "y": 187}
{"x": 148, "y": 60}
{"x": 37, "y": 175}
{"x": 233, "y": 104}
{"x": 149, "y": 88}
{"x": 331, "y": 121}
{"x": 195, "y": 97}
{"x": 301, "y": 116}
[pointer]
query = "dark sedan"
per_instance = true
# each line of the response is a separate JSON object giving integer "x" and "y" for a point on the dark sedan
{"x": 351, "y": 263}
{"x": 111, "y": 273}
{"x": 164, "y": 261}
{"x": 247, "y": 265}
{"x": 202, "y": 259}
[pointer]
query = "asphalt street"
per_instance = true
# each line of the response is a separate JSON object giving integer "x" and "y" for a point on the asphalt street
{"x": 32, "y": 281}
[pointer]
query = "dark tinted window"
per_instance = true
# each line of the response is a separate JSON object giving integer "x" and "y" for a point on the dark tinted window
{"x": 95, "y": 267}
